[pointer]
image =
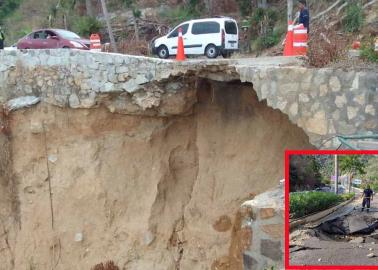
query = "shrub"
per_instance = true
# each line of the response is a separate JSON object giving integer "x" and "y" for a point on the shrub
{"x": 86, "y": 25}
{"x": 347, "y": 196}
{"x": 245, "y": 7}
{"x": 304, "y": 203}
{"x": 354, "y": 18}
{"x": 7, "y": 7}
{"x": 182, "y": 13}
{"x": 374, "y": 186}
{"x": 368, "y": 53}
{"x": 325, "y": 47}
{"x": 263, "y": 23}
{"x": 177, "y": 15}
{"x": 270, "y": 39}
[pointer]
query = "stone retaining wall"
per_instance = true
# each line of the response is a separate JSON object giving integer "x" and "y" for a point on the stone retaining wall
{"x": 323, "y": 102}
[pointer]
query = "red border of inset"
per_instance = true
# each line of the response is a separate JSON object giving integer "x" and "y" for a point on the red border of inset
{"x": 316, "y": 152}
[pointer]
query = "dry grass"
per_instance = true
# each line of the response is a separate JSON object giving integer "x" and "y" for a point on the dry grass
{"x": 326, "y": 46}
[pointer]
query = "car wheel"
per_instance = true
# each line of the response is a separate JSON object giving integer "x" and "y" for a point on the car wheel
{"x": 163, "y": 52}
{"x": 66, "y": 47}
{"x": 211, "y": 51}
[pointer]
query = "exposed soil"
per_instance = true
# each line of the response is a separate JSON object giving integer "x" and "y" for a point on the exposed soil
{"x": 144, "y": 192}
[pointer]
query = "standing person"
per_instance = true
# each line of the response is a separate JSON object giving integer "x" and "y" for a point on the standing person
{"x": 304, "y": 14}
{"x": 2, "y": 37}
{"x": 367, "y": 197}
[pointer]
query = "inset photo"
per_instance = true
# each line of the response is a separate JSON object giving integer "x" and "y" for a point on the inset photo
{"x": 331, "y": 209}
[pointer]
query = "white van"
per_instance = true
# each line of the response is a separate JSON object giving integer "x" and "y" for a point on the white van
{"x": 210, "y": 37}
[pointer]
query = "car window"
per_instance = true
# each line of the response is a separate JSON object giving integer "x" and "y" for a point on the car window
{"x": 205, "y": 28}
{"x": 231, "y": 27}
{"x": 184, "y": 28}
{"x": 50, "y": 34}
{"x": 39, "y": 35}
{"x": 67, "y": 34}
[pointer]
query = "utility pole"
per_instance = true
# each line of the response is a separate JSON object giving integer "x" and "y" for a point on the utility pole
{"x": 336, "y": 174}
{"x": 110, "y": 31}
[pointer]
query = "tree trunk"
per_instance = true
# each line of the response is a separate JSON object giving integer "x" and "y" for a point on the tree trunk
{"x": 110, "y": 31}
{"x": 209, "y": 7}
{"x": 350, "y": 182}
{"x": 262, "y": 4}
{"x": 289, "y": 10}
{"x": 65, "y": 21}
{"x": 136, "y": 29}
{"x": 89, "y": 8}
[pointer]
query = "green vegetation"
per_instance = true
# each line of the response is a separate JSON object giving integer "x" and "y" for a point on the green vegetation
{"x": 347, "y": 196}
{"x": 7, "y": 7}
{"x": 305, "y": 203}
{"x": 265, "y": 28}
{"x": 368, "y": 53}
{"x": 354, "y": 18}
{"x": 245, "y": 7}
{"x": 304, "y": 172}
{"x": 85, "y": 26}
{"x": 372, "y": 172}
{"x": 131, "y": 4}
{"x": 182, "y": 13}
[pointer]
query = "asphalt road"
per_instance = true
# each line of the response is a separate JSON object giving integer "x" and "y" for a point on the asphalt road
{"x": 323, "y": 249}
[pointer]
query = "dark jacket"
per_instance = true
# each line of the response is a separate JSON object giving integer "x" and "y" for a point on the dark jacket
{"x": 1, "y": 40}
{"x": 304, "y": 18}
{"x": 368, "y": 193}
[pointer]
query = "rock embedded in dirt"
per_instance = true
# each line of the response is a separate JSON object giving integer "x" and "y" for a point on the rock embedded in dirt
{"x": 370, "y": 255}
{"x": 357, "y": 240}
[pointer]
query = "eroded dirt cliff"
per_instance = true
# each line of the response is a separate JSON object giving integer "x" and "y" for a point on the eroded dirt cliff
{"x": 82, "y": 186}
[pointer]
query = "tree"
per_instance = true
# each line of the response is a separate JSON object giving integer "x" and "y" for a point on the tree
{"x": 131, "y": 4}
{"x": 109, "y": 26}
{"x": 304, "y": 172}
{"x": 372, "y": 169}
{"x": 209, "y": 7}
{"x": 351, "y": 165}
{"x": 89, "y": 8}
{"x": 65, "y": 7}
{"x": 262, "y": 4}
{"x": 289, "y": 10}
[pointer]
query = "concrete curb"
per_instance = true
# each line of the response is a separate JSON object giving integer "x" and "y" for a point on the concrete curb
{"x": 314, "y": 217}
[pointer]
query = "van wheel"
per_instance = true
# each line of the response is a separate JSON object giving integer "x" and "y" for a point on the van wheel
{"x": 211, "y": 51}
{"x": 163, "y": 52}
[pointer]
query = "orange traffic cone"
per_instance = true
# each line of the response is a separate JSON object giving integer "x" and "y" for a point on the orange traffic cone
{"x": 95, "y": 43}
{"x": 288, "y": 50}
{"x": 180, "y": 56}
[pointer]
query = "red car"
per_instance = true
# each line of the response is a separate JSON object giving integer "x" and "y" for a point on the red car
{"x": 53, "y": 39}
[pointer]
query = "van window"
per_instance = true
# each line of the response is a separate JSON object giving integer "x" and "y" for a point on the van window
{"x": 205, "y": 28}
{"x": 184, "y": 28}
{"x": 231, "y": 27}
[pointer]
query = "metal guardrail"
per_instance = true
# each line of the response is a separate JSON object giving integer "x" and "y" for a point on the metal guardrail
{"x": 345, "y": 140}
{"x": 294, "y": 223}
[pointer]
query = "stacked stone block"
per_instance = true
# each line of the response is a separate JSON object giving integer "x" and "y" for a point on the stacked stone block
{"x": 263, "y": 218}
